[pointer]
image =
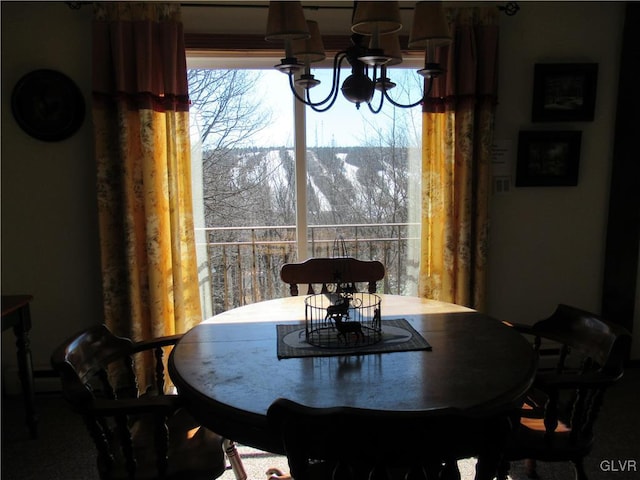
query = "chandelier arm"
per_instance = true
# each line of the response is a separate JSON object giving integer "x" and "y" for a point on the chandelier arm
{"x": 371, "y": 109}
{"x": 324, "y": 109}
{"x": 294, "y": 91}
{"x": 411, "y": 105}
{"x": 377, "y": 110}
{"x": 335, "y": 84}
{"x": 337, "y": 65}
{"x": 308, "y": 101}
{"x": 335, "y": 81}
{"x": 316, "y": 107}
{"x": 400, "y": 105}
{"x": 428, "y": 91}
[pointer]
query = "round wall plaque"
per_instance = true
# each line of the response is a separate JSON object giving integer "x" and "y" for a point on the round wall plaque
{"x": 48, "y": 105}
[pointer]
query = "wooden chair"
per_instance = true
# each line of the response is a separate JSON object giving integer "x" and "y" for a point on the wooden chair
{"x": 559, "y": 413}
{"x": 352, "y": 444}
{"x": 138, "y": 435}
{"x": 332, "y": 273}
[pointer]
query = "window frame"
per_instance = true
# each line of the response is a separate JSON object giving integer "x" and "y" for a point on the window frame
{"x": 252, "y": 52}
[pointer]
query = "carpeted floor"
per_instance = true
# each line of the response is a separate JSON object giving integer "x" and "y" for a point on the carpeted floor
{"x": 64, "y": 450}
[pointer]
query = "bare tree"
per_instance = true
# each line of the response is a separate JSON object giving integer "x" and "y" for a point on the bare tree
{"x": 228, "y": 116}
{"x": 227, "y": 112}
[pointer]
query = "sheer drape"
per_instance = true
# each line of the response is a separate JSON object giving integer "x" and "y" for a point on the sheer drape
{"x": 141, "y": 128}
{"x": 457, "y": 136}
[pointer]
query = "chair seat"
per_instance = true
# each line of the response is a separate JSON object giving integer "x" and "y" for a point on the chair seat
{"x": 537, "y": 425}
{"x": 532, "y": 432}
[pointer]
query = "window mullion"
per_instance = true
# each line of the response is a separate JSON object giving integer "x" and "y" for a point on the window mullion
{"x": 301, "y": 178}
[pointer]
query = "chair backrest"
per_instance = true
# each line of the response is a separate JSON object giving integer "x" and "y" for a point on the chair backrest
{"x": 332, "y": 273}
{"x": 135, "y": 432}
{"x": 82, "y": 362}
{"x": 347, "y": 444}
{"x": 601, "y": 345}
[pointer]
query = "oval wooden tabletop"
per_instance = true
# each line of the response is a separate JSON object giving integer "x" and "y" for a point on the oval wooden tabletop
{"x": 228, "y": 371}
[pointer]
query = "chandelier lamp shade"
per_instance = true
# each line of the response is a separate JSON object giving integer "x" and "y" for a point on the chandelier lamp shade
{"x": 374, "y": 46}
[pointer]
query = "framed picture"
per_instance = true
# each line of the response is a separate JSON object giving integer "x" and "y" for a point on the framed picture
{"x": 564, "y": 92}
{"x": 548, "y": 159}
{"x": 48, "y": 105}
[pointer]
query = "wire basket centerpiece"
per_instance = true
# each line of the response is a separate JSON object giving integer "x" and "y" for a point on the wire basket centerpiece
{"x": 343, "y": 319}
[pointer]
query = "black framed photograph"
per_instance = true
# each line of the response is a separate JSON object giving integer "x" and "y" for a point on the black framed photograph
{"x": 548, "y": 158}
{"x": 564, "y": 92}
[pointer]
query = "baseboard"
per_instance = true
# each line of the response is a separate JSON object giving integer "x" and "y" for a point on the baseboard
{"x": 45, "y": 380}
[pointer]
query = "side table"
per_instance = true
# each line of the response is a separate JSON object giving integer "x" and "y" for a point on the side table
{"x": 16, "y": 314}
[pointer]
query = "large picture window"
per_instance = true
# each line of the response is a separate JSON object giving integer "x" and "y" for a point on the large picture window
{"x": 275, "y": 182}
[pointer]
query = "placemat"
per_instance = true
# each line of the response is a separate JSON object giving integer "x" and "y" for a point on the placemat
{"x": 397, "y": 336}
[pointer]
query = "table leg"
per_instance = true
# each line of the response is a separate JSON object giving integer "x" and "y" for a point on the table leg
{"x": 489, "y": 461}
{"x": 25, "y": 368}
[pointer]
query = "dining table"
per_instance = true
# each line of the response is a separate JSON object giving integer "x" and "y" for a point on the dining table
{"x": 229, "y": 371}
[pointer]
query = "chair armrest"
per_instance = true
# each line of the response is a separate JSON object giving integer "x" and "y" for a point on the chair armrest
{"x": 549, "y": 380}
{"x": 156, "y": 343}
{"x": 520, "y": 327}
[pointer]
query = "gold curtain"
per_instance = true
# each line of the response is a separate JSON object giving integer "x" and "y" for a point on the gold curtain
{"x": 143, "y": 154}
{"x": 457, "y": 136}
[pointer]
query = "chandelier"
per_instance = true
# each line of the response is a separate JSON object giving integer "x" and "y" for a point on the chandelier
{"x": 374, "y": 47}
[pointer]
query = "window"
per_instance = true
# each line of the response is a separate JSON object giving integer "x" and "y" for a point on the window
{"x": 275, "y": 182}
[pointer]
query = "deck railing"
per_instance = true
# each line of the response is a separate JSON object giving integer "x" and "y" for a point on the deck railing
{"x": 241, "y": 265}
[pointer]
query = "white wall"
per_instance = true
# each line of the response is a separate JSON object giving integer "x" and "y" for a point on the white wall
{"x": 547, "y": 245}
